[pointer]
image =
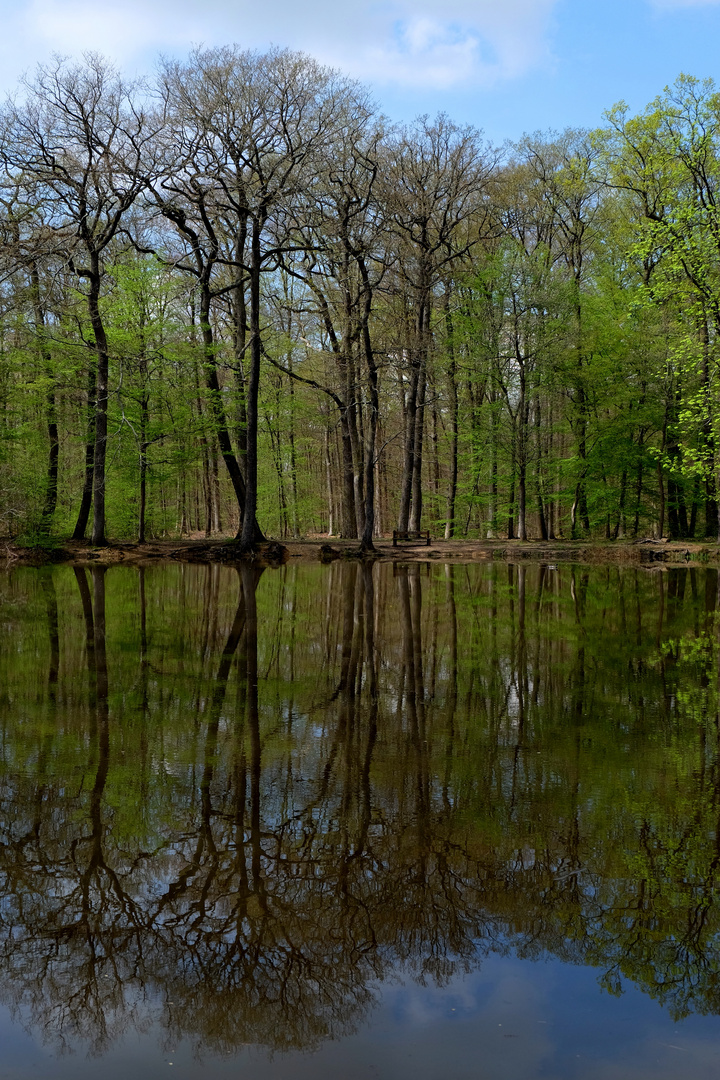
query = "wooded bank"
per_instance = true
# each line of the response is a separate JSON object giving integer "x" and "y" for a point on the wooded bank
{"x": 649, "y": 554}
{"x": 239, "y": 300}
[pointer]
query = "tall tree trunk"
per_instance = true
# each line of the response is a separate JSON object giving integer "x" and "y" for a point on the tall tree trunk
{"x": 51, "y": 481}
{"x": 435, "y": 460}
{"x": 712, "y": 519}
{"x": 293, "y": 462}
{"x": 215, "y": 479}
{"x": 218, "y": 412}
{"x": 250, "y": 533}
{"x": 144, "y": 423}
{"x": 493, "y": 508}
{"x": 522, "y": 455}
{"x": 348, "y": 528}
{"x": 711, "y": 509}
{"x": 143, "y": 466}
{"x": 409, "y": 450}
{"x": 354, "y": 418}
{"x": 416, "y": 502}
{"x": 639, "y": 484}
{"x": 291, "y": 426}
{"x": 239, "y": 314}
{"x": 101, "y": 403}
{"x": 694, "y": 509}
{"x": 522, "y": 501}
{"x": 511, "y": 512}
{"x": 619, "y": 529}
{"x": 538, "y": 469}
{"x": 328, "y": 480}
{"x": 581, "y": 492}
{"x": 86, "y": 500}
{"x": 454, "y": 432}
{"x": 369, "y": 523}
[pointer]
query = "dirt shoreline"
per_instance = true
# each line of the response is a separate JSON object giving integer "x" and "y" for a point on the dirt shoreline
{"x": 643, "y": 552}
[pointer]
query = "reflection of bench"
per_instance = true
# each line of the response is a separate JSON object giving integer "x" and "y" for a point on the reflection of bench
{"x": 408, "y": 534}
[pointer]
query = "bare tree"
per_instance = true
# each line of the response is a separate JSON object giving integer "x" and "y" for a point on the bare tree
{"x": 344, "y": 261}
{"x": 260, "y": 120}
{"x": 435, "y": 174}
{"x": 81, "y": 143}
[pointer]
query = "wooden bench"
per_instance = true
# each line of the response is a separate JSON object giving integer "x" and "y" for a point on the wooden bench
{"x": 408, "y": 534}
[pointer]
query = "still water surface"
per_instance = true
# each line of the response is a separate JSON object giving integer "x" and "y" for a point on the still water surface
{"x": 365, "y": 822}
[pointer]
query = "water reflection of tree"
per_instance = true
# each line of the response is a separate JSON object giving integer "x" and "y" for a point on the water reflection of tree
{"x": 452, "y": 778}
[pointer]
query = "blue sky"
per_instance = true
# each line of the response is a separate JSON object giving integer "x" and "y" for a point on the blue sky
{"x": 508, "y": 66}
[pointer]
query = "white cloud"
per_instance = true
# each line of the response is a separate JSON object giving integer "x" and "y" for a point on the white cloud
{"x": 121, "y": 30}
{"x": 482, "y": 42}
{"x": 401, "y": 42}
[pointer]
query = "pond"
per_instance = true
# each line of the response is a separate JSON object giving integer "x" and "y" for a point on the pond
{"x": 363, "y": 821}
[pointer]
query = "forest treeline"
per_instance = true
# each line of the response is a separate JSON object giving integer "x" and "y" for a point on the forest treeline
{"x": 238, "y": 299}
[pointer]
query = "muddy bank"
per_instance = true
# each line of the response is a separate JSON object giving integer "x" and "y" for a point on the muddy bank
{"x": 645, "y": 552}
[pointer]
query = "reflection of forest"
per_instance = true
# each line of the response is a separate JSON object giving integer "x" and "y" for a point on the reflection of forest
{"x": 237, "y": 800}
